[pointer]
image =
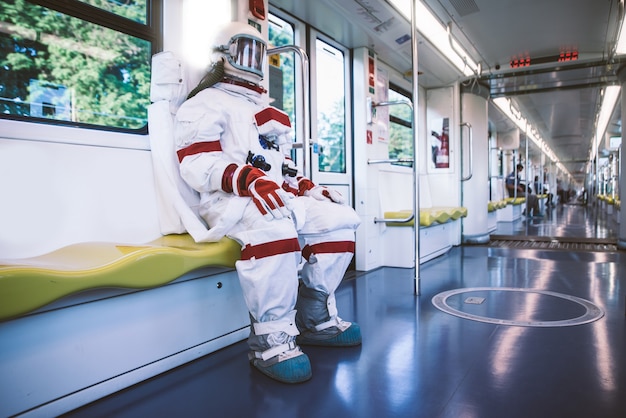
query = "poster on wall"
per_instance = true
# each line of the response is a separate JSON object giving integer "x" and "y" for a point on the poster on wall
{"x": 382, "y": 112}
{"x": 439, "y": 140}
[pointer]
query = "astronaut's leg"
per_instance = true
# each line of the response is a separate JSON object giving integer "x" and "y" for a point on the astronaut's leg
{"x": 269, "y": 279}
{"x": 328, "y": 253}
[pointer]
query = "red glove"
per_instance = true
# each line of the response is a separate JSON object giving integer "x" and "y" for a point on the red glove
{"x": 269, "y": 198}
{"x": 307, "y": 188}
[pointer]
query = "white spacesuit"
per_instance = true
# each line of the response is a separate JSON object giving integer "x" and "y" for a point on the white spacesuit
{"x": 231, "y": 146}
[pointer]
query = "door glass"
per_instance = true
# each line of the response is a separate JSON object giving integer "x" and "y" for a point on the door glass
{"x": 400, "y": 128}
{"x": 281, "y": 67}
{"x": 331, "y": 146}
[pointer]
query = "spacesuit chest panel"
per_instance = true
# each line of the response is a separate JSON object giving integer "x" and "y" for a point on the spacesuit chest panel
{"x": 240, "y": 138}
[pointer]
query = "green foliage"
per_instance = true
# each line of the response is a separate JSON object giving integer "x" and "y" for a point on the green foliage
{"x": 400, "y": 134}
{"x": 282, "y": 38}
{"x": 331, "y": 128}
{"x": 85, "y": 72}
{"x": 400, "y": 141}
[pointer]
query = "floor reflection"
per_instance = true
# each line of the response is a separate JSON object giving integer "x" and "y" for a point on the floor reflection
{"x": 568, "y": 220}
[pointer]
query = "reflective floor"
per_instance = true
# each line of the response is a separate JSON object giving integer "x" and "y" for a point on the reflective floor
{"x": 419, "y": 361}
{"x": 567, "y": 220}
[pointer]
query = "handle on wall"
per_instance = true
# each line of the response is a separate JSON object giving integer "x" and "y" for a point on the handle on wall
{"x": 471, "y": 155}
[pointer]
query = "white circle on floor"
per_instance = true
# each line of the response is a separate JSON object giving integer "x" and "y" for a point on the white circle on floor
{"x": 592, "y": 312}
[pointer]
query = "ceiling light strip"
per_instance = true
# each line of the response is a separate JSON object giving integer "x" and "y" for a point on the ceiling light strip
{"x": 437, "y": 34}
{"x": 620, "y": 45}
{"x": 609, "y": 100}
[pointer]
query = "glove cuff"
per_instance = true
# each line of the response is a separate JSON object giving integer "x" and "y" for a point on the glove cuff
{"x": 289, "y": 188}
{"x": 243, "y": 177}
{"x": 227, "y": 178}
{"x": 304, "y": 185}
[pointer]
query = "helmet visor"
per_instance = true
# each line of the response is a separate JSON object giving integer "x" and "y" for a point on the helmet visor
{"x": 247, "y": 53}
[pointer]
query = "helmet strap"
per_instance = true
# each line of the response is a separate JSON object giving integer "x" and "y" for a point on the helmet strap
{"x": 243, "y": 83}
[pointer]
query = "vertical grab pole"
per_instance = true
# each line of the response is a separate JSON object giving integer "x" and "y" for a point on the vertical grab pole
{"x": 526, "y": 168}
{"x": 304, "y": 64}
{"x": 416, "y": 204}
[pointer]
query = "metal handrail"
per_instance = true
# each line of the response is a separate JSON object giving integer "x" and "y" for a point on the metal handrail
{"x": 459, "y": 52}
{"x": 397, "y": 160}
{"x": 391, "y": 160}
{"x": 304, "y": 63}
{"x": 414, "y": 98}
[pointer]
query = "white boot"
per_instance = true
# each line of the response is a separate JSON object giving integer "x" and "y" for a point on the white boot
{"x": 319, "y": 324}
{"x": 274, "y": 351}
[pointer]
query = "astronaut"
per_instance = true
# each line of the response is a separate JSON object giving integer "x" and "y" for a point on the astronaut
{"x": 233, "y": 149}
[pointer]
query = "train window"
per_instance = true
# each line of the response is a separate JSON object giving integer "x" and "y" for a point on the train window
{"x": 133, "y": 10}
{"x": 71, "y": 63}
{"x": 400, "y": 132}
{"x": 330, "y": 67}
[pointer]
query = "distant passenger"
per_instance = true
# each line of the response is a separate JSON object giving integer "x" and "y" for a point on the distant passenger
{"x": 550, "y": 191}
{"x": 532, "y": 202}
{"x": 542, "y": 188}
{"x": 233, "y": 147}
{"x": 560, "y": 192}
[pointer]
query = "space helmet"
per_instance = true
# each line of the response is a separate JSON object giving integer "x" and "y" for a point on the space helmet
{"x": 243, "y": 51}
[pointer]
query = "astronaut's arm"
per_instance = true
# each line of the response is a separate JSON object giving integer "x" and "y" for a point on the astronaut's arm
{"x": 298, "y": 185}
{"x": 274, "y": 125}
{"x": 203, "y": 172}
{"x": 197, "y": 134}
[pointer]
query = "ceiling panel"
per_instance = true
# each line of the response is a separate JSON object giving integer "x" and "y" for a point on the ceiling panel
{"x": 560, "y": 98}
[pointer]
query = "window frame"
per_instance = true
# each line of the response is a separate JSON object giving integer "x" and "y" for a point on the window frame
{"x": 151, "y": 31}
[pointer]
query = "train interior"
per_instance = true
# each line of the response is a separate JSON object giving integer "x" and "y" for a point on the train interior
{"x": 471, "y": 302}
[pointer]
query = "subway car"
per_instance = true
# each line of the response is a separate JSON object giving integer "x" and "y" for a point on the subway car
{"x": 478, "y": 141}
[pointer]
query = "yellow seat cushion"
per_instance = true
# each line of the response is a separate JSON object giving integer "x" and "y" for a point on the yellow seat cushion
{"x": 31, "y": 283}
{"x": 400, "y": 214}
{"x": 428, "y": 216}
{"x": 515, "y": 200}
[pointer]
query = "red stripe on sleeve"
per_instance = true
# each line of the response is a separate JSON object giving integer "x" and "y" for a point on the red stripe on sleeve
{"x": 271, "y": 113}
{"x": 198, "y": 148}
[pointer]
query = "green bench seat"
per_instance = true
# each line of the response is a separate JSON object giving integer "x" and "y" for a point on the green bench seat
{"x": 31, "y": 283}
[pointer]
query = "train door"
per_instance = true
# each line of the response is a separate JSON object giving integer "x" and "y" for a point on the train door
{"x": 331, "y": 148}
{"x": 325, "y": 118}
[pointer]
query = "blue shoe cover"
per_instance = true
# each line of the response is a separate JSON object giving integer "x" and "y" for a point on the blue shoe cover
{"x": 348, "y": 338}
{"x": 293, "y": 370}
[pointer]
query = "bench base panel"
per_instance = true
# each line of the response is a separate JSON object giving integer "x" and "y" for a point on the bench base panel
{"x": 434, "y": 241}
{"x": 510, "y": 213}
{"x": 60, "y": 359}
